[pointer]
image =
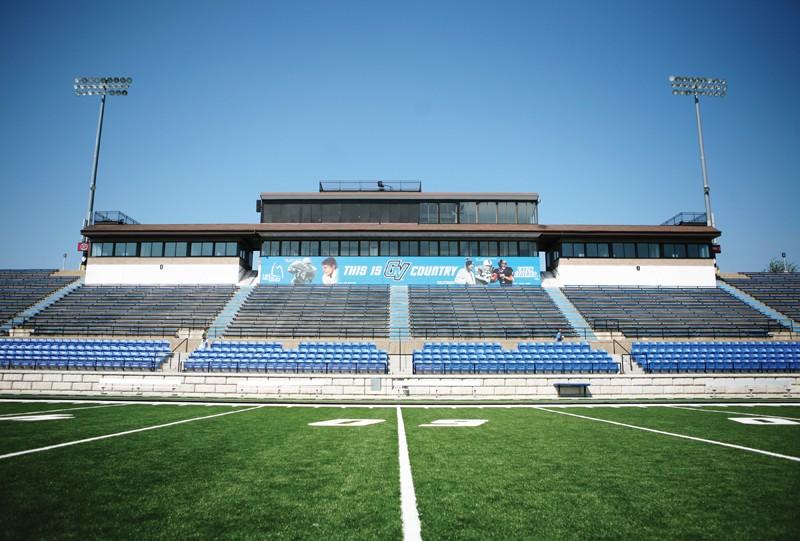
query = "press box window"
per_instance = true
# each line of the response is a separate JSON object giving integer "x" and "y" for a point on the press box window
{"x": 125, "y": 249}
{"x": 428, "y": 213}
{"x": 448, "y": 213}
{"x": 625, "y": 250}
{"x": 468, "y": 213}
{"x": 675, "y": 251}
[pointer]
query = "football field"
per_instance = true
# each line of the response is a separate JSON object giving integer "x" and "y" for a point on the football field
{"x": 138, "y": 470}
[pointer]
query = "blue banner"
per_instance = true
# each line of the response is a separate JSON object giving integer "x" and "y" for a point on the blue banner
{"x": 479, "y": 271}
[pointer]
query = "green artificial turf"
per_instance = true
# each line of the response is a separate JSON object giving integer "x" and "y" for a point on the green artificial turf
{"x": 261, "y": 474}
{"x": 525, "y": 474}
{"x": 529, "y": 474}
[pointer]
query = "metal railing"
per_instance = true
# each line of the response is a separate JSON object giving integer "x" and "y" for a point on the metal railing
{"x": 467, "y": 367}
{"x": 370, "y": 186}
{"x": 27, "y": 363}
{"x": 687, "y": 218}
{"x": 113, "y": 217}
{"x": 681, "y": 366}
{"x": 285, "y": 367}
{"x": 101, "y": 329}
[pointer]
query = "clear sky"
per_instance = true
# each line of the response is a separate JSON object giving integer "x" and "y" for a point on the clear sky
{"x": 567, "y": 99}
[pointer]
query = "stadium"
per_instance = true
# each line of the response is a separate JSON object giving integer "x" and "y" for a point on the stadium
{"x": 399, "y": 271}
{"x": 344, "y": 316}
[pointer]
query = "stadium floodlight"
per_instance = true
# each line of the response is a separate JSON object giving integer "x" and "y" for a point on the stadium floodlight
{"x": 700, "y": 86}
{"x": 99, "y": 86}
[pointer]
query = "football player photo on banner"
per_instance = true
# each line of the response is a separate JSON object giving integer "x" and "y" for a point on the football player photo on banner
{"x": 398, "y": 270}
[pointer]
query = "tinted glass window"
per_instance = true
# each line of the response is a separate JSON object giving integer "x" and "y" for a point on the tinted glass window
{"x": 506, "y": 213}
{"x": 181, "y": 249}
{"x": 428, "y": 213}
{"x": 169, "y": 249}
{"x": 525, "y": 213}
{"x": 567, "y": 249}
{"x": 468, "y": 213}
{"x": 329, "y": 247}
{"x": 146, "y": 249}
{"x": 448, "y": 213}
{"x": 231, "y": 249}
{"x": 487, "y": 212}
{"x": 331, "y": 212}
{"x": 309, "y": 248}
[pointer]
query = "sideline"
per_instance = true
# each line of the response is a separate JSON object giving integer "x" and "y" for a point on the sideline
{"x": 61, "y": 409}
{"x": 765, "y": 415}
{"x": 392, "y": 405}
{"x": 97, "y": 438}
{"x": 683, "y": 436}
{"x": 408, "y": 499}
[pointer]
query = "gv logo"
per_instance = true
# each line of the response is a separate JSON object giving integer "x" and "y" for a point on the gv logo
{"x": 395, "y": 269}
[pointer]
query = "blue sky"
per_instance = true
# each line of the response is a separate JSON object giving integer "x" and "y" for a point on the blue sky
{"x": 568, "y": 99}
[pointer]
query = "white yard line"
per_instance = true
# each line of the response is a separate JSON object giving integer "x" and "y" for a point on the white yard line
{"x": 729, "y": 412}
{"x": 96, "y": 438}
{"x": 683, "y": 436}
{"x": 61, "y": 409}
{"x": 408, "y": 499}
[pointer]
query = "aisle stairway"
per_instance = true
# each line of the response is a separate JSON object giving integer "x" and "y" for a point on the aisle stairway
{"x": 575, "y": 319}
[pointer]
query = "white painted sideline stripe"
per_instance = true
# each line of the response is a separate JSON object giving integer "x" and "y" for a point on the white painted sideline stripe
{"x": 62, "y": 409}
{"x": 96, "y": 438}
{"x": 683, "y": 436}
{"x": 729, "y": 412}
{"x": 412, "y": 530}
{"x": 442, "y": 405}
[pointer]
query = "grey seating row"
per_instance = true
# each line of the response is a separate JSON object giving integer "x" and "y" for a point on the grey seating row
{"x": 669, "y": 312}
{"x": 458, "y": 311}
{"x": 313, "y": 311}
{"x": 20, "y": 289}
{"x": 131, "y": 310}
{"x": 778, "y": 290}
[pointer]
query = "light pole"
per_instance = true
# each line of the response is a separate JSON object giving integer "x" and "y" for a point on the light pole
{"x": 99, "y": 86}
{"x": 700, "y": 86}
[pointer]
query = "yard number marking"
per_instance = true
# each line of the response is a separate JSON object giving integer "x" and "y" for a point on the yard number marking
{"x": 52, "y": 417}
{"x": 347, "y": 422}
{"x": 762, "y": 421}
{"x": 675, "y": 435}
{"x": 454, "y": 423}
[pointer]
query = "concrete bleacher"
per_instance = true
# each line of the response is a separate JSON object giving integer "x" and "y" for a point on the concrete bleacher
{"x": 477, "y": 312}
{"x": 20, "y": 289}
{"x": 131, "y": 310}
{"x": 676, "y": 357}
{"x": 308, "y": 357}
{"x": 528, "y": 358}
{"x": 669, "y": 312}
{"x": 780, "y": 291}
{"x": 344, "y": 311}
{"x": 82, "y": 354}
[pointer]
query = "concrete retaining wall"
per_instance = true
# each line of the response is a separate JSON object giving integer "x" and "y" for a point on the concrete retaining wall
{"x": 366, "y": 387}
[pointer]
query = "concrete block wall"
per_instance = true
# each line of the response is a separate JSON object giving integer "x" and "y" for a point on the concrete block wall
{"x": 391, "y": 387}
